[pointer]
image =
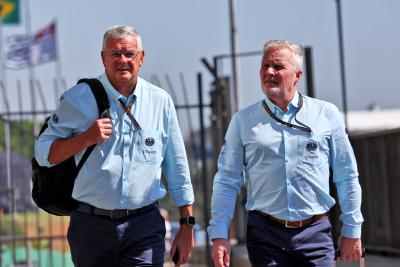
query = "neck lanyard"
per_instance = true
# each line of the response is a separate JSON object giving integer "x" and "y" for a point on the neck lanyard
{"x": 128, "y": 111}
{"x": 301, "y": 126}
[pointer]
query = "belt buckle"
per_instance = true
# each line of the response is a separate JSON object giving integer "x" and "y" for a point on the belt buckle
{"x": 119, "y": 214}
{"x": 287, "y": 224}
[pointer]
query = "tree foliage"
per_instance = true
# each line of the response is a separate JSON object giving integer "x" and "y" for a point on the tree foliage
{"x": 21, "y": 135}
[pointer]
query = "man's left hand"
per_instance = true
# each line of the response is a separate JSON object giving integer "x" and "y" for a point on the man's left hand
{"x": 184, "y": 243}
{"x": 350, "y": 248}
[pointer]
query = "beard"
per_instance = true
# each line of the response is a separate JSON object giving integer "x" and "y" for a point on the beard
{"x": 274, "y": 92}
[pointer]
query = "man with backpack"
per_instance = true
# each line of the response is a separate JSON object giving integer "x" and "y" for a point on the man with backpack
{"x": 117, "y": 222}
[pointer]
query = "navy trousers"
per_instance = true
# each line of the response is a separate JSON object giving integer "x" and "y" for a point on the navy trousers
{"x": 97, "y": 241}
{"x": 269, "y": 243}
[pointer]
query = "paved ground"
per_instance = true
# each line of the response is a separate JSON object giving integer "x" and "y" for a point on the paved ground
{"x": 239, "y": 258}
{"x": 370, "y": 261}
{"x": 374, "y": 261}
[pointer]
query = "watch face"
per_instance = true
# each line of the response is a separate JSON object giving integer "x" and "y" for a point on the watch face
{"x": 189, "y": 220}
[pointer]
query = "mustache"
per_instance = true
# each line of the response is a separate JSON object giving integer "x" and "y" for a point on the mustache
{"x": 271, "y": 79}
{"x": 123, "y": 67}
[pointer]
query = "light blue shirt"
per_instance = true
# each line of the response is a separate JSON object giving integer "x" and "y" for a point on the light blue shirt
{"x": 287, "y": 170}
{"x": 124, "y": 172}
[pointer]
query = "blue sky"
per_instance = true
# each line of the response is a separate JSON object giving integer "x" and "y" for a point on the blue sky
{"x": 178, "y": 33}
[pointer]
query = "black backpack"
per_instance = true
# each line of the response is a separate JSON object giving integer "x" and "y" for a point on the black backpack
{"x": 52, "y": 187}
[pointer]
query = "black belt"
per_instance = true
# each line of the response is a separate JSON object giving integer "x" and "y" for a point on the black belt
{"x": 113, "y": 214}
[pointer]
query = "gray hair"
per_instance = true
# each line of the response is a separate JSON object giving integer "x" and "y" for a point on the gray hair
{"x": 122, "y": 32}
{"x": 295, "y": 49}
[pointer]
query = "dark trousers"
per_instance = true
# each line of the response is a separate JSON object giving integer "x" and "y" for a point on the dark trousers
{"x": 100, "y": 241}
{"x": 269, "y": 243}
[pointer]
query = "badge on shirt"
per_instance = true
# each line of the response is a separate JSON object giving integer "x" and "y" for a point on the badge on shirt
{"x": 54, "y": 118}
{"x": 311, "y": 151}
{"x": 311, "y": 146}
{"x": 148, "y": 148}
{"x": 149, "y": 141}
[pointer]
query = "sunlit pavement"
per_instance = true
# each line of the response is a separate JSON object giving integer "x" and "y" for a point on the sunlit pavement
{"x": 370, "y": 261}
{"x": 239, "y": 258}
{"x": 373, "y": 261}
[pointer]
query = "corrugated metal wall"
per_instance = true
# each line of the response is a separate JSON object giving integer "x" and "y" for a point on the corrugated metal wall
{"x": 378, "y": 158}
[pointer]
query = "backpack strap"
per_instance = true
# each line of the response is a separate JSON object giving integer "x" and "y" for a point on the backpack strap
{"x": 102, "y": 104}
{"x": 99, "y": 93}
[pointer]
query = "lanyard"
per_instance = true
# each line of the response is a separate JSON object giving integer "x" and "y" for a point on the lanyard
{"x": 128, "y": 111}
{"x": 301, "y": 126}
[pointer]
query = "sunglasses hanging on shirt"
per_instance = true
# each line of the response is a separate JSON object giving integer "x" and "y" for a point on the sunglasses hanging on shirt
{"x": 128, "y": 111}
{"x": 301, "y": 126}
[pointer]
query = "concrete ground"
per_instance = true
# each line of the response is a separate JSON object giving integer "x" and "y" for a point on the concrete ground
{"x": 374, "y": 261}
{"x": 370, "y": 261}
{"x": 239, "y": 259}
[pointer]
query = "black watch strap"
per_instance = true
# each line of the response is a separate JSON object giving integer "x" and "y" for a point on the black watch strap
{"x": 188, "y": 220}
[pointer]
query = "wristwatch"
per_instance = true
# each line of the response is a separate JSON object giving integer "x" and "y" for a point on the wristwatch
{"x": 188, "y": 220}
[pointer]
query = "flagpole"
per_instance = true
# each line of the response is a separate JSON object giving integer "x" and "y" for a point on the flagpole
{"x": 2, "y": 56}
{"x": 58, "y": 57}
{"x": 7, "y": 135}
{"x": 31, "y": 70}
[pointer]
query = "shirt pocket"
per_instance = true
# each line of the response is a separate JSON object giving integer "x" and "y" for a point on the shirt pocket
{"x": 314, "y": 151}
{"x": 148, "y": 147}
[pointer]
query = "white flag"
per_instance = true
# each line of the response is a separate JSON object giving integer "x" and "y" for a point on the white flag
{"x": 23, "y": 51}
{"x": 17, "y": 52}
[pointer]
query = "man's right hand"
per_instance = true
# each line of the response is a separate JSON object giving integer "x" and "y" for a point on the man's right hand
{"x": 62, "y": 149}
{"x": 221, "y": 252}
{"x": 99, "y": 131}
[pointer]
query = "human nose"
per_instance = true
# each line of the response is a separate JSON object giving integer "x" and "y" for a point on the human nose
{"x": 268, "y": 71}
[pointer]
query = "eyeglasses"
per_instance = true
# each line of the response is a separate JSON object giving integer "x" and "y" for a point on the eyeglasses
{"x": 129, "y": 55}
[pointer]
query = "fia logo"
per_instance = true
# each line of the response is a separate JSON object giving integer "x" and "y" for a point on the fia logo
{"x": 149, "y": 141}
{"x": 311, "y": 146}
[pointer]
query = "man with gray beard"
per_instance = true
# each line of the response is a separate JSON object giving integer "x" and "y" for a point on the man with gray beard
{"x": 284, "y": 146}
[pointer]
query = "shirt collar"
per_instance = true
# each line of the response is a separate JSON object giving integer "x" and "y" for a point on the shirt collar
{"x": 292, "y": 107}
{"x": 114, "y": 92}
